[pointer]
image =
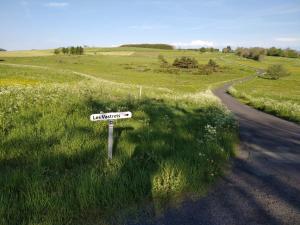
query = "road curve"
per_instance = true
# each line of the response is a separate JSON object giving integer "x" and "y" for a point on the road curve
{"x": 264, "y": 184}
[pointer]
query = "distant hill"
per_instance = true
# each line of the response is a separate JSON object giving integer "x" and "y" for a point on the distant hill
{"x": 2, "y": 50}
{"x": 156, "y": 46}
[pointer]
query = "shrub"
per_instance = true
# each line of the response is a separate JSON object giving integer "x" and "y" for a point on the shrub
{"x": 186, "y": 62}
{"x": 276, "y": 71}
{"x": 205, "y": 70}
{"x": 209, "y": 68}
{"x": 162, "y": 61}
{"x": 57, "y": 51}
{"x": 212, "y": 63}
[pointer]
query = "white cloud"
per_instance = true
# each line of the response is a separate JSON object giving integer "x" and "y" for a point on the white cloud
{"x": 56, "y": 4}
{"x": 288, "y": 39}
{"x": 194, "y": 44}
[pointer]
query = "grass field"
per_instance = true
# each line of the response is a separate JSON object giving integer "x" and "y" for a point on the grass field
{"x": 139, "y": 68}
{"x": 53, "y": 160}
{"x": 279, "y": 97}
{"x": 26, "y": 53}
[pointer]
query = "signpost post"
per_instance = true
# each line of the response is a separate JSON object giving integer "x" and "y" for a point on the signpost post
{"x": 110, "y": 117}
{"x": 110, "y": 138}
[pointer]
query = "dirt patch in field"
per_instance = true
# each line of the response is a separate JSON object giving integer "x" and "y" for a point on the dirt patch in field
{"x": 33, "y": 53}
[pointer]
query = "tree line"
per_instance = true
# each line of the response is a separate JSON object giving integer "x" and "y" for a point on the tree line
{"x": 70, "y": 50}
{"x": 202, "y": 49}
{"x": 155, "y": 46}
{"x": 290, "y": 53}
{"x": 258, "y": 53}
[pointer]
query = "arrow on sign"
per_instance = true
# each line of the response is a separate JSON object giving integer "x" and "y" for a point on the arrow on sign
{"x": 110, "y": 116}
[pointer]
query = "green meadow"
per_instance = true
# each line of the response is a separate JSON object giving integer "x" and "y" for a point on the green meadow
{"x": 53, "y": 159}
{"x": 279, "y": 97}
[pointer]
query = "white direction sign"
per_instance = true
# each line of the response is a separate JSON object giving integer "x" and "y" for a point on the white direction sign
{"x": 110, "y": 116}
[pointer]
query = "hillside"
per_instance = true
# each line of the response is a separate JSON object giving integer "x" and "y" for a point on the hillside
{"x": 155, "y": 46}
{"x": 178, "y": 141}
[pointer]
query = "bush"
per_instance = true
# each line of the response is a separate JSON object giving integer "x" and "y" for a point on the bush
{"x": 205, "y": 70}
{"x": 57, "y": 51}
{"x": 209, "y": 68}
{"x": 162, "y": 61}
{"x": 276, "y": 71}
{"x": 186, "y": 62}
{"x": 212, "y": 63}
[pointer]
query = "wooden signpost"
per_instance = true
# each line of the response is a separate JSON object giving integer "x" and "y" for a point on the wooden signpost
{"x": 110, "y": 117}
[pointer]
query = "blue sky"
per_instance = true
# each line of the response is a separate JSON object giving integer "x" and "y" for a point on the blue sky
{"x": 41, "y": 24}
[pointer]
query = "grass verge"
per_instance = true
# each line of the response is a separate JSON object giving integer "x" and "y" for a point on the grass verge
{"x": 277, "y": 97}
{"x": 53, "y": 160}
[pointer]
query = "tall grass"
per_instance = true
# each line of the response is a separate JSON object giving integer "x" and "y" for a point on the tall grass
{"x": 286, "y": 109}
{"x": 278, "y": 97}
{"x": 53, "y": 160}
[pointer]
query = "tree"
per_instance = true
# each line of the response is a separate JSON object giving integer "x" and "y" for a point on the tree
{"x": 290, "y": 53}
{"x": 275, "y": 52}
{"x": 72, "y": 50}
{"x": 65, "y": 50}
{"x": 257, "y": 53}
{"x": 251, "y": 53}
{"x": 81, "y": 50}
{"x": 2, "y": 50}
{"x": 57, "y": 51}
{"x": 202, "y": 49}
{"x": 227, "y": 49}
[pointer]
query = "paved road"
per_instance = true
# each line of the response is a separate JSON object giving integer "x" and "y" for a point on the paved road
{"x": 264, "y": 185}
